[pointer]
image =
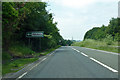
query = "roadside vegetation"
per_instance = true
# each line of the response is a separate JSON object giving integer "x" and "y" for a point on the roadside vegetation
{"x": 18, "y": 18}
{"x": 15, "y": 65}
{"x": 95, "y": 44}
{"x": 103, "y": 38}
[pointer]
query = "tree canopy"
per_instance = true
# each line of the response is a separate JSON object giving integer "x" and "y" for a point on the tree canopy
{"x": 99, "y": 33}
{"x": 22, "y": 17}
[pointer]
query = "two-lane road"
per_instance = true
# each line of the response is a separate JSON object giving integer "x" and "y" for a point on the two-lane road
{"x": 75, "y": 62}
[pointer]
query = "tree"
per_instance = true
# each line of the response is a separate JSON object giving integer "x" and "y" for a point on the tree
{"x": 99, "y": 33}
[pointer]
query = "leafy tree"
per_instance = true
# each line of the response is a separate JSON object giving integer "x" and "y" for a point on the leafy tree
{"x": 21, "y": 17}
{"x": 100, "y": 33}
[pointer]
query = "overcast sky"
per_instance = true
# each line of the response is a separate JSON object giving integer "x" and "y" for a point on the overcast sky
{"x": 76, "y": 17}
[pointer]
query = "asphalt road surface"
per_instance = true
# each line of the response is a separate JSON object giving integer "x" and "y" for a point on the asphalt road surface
{"x": 75, "y": 62}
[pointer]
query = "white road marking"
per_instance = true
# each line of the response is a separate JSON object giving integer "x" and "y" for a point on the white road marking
{"x": 84, "y": 54}
{"x": 103, "y": 51}
{"x": 22, "y": 75}
{"x": 51, "y": 54}
{"x": 73, "y": 48}
{"x": 77, "y": 51}
{"x": 44, "y": 59}
{"x": 113, "y": 70}
{"x": 59, "y": 49}
{"x": 38, "y": 63}
{"x": 81, "y": 52}
{"x": 33, "y": 67}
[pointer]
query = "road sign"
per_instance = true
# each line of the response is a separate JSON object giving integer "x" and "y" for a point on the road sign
{"x": 35, "y": 34}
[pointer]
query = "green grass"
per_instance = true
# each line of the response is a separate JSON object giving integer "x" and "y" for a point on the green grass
{"x": 101, "y": 45}
{"x": 21, "y": 51}
{"x": 6, "y": 56}
{"x": 0, "y": 69}
{"x": 46, "y": 51}
{"x": 14, "y": 66}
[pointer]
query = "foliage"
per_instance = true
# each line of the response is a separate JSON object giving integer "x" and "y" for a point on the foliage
{"x": 6, "y": 56}
{"x": 108, "y": 39}
{"x": 21, "y": 17}
{"x": 96, "y": 44}
{"x": 100, "y": 33}
{"x": 16, "y": 65}
{"x": 21, "y": 51}
{"x": 68, "y": 42}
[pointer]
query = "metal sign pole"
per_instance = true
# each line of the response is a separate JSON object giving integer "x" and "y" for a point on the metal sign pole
{"x": 35, "y": 34}
{"x": 29, "y": 42}
{"x": 40, "y": 43}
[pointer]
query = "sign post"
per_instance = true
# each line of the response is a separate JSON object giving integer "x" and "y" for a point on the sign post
{"x": 35, "y": 34}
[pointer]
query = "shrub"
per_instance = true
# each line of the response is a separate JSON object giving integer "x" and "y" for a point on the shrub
{"x": 6, "y": 56}
{"x": 21, "y": 51}
{"x": 108, "y": 40}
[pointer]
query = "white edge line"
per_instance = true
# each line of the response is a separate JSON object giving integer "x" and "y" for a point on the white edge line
{"x": 103, "y": 51}
{"x": 77, "y": 51}
{"x": 113, "y": 70}
{"x": 30, "y": 69}
{"x": 38, "y": 63}
{"x": 51, "y": 54}
{"x": 22, "y": 75}
{"x": 44, "y": 59}
{"x": 84, "y": 54}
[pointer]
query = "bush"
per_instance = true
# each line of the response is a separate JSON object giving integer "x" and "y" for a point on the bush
{"x": 6, "y": 56}
{"x": 101, "y": 45}
{"x": 108, "y": 40}
{"x": 21, "y": 51}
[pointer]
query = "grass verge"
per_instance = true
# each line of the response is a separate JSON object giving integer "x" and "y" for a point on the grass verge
{"x": 18, "y": 64}
{"x": 101, "y": 45}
